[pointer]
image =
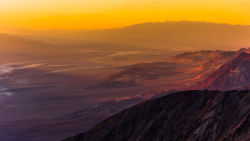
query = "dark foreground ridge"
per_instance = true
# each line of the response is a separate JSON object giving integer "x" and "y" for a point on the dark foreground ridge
{"x": 182, "y": 116}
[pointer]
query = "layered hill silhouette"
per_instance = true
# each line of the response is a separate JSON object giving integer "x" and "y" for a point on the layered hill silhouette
{"x": 25, "y": 48}
{"x": 18, "y": 49}
{"x": 15, "y": 44}
{"x": 182, "y": 116}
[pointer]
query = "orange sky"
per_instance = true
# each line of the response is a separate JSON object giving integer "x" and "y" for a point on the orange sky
{"x": 101, "y": 14}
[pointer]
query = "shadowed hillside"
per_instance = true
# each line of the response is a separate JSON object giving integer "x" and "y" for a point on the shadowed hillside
{"x": 182, "y": 116}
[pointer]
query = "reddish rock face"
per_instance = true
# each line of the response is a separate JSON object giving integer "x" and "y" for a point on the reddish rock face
{"x": 183, "y": 116}
{"x": 182, "y": 68}
{"x": 232, "y": 75}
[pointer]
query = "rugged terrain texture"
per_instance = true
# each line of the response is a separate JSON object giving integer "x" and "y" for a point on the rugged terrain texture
{"x": 232, "y": 75}
{"x": 182, "y": 68}
{"x": 182, "y": 116}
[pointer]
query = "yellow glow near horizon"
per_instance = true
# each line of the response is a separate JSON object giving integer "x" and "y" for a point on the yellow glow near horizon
{"x": 101, "y": 14}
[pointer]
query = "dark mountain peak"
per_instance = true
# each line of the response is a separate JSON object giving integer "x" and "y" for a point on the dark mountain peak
{"x": 182, "y": 116}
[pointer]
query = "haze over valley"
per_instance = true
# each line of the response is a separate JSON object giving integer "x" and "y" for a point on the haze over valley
{"x": 55, "y": 84}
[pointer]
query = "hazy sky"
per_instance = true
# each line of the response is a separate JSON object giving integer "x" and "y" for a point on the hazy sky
{"x": 100, "y": 14}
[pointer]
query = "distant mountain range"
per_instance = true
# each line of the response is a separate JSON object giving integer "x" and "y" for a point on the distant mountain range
{"x": 182, "y": 116}
{"x": 183, "y": 35}
{"x": 174, "y": 36}
{"x": 144, "y": 42}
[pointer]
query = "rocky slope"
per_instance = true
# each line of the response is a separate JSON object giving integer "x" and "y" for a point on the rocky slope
{"x": 232, "y": 75}
{"x": 182, "y": 116}
{"x": 181, "y": 67}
